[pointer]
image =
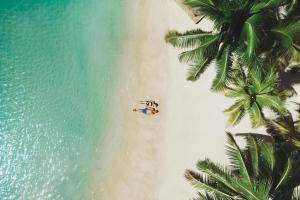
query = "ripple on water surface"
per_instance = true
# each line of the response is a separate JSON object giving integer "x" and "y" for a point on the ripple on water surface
{"x": 52, "y": 87}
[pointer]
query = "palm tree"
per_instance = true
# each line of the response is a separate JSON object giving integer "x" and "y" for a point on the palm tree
{"x": 256, "y": 47}
{"x": 286, "y": 131}
{"x": 253, "y": 95}
{"x": 253, "y": 173}
{"x": 248, "y": 28}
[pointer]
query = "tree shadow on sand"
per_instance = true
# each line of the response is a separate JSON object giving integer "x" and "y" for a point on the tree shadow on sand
{"x": 288, "y": 79}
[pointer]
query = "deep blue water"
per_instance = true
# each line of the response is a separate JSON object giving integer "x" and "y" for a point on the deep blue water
{"x": 57, "y": 72}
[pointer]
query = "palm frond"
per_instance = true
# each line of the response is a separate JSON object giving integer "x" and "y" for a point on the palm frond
{"x": 220, "y": 175}
{"x": 279, "y": 127}
{"x": 285, "y": 39}
{"x": 263, "y": 188}
{"x": 207, "y": 196}
{"x": 272, "y": 102}
{"x": 199, "y": 3}
{"x": 188, "y": 39}
{"x": 269, "y": 83}
{"x": 223, "y": 69}
{"x": 256, "y": 82}
{"x": 286, "y": 34}
{"x": 267, "y": 155}
{"x": 258, "y": 137}
{"x": 256, "y": 115}
{"x": 236, "y": 92}
{"x": 253, "y": 149}
{"x": 296, "y": 142}
{"x": 207, "y": 49}
{"x": 250, "y": 32}
{"x": 292, "y": 28}
{"x": 267, "y": 4}
{"x": 204, "y": 184}
{"x": 286, "y": 174}
{"x": 237, "y": 161}
{"x": 293, "y": 10}
{"x": 207, "y": 8}
{"x": 282, "y": 128}
{"x": 236, "y": 112}
{"x": 196, "y": 70}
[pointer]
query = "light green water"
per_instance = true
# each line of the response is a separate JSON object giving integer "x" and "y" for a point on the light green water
{"x": 56, "y": 75}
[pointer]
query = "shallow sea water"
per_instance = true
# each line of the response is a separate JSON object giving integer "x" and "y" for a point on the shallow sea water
{"x": 56, "y": 77}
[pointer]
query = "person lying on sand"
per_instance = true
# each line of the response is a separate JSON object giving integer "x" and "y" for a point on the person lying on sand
{"x": 146, "y": 111}
{"x": 149, "y": 103}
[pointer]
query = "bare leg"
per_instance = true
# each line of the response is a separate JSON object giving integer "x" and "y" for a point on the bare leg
{"x": 137, "y": 110}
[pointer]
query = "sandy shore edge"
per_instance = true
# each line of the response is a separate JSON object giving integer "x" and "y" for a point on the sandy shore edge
{"x": 144, "y": 157}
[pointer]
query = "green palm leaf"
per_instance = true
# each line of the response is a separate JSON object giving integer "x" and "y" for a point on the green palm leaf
{"x": 286, "y": 34}
{"x": 206, "y": 196}
{"x": 207, "y": 49}
{"x": 199, "y": 3}
{"x": 223, "y": 68}
{"x": 219, "y": 183}
{"x": 262, "y": 190}
{"x": 237, "y": 92}
{"x": 207, "y": 8}
{"x": 267, "y": 4}
{"x": 256, "y": 83}
{"x": 286, "y": 174}
{"x": 280, "y": 127}
{"x": 296, "y": 142}
{"x": 221, "y": 176}
{"x": 256, "y": 115}
{"x": 285, "y": 39}
{"x": 195, "y": 71}
{"x": 236, "y": 158}
{"x": 189, "y": 39}
{"x": 292, "y": 28}
{"x": 267, "y": 155}
{"x": 253, "y": 149}
{"x": 272, "y": 102}
{"x": 199, "y": 182}
{"x": 251, "y": 38}
{"x": 293, "y": 10}
{"x": 268, "y": 87}
{"x": 236, "y": 112}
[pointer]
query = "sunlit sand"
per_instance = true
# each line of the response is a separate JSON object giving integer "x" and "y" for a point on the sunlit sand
{"x": 146, "y": 156}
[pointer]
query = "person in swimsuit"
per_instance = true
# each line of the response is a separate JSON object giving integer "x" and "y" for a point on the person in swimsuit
{"x": 146, "y": 111}
{"x": 149, "y": 103}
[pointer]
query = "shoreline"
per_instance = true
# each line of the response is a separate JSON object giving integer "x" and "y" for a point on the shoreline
{"x": 136, "y": 157}
{"x": 144, "y": 157}
{"x": 129, "y": 150}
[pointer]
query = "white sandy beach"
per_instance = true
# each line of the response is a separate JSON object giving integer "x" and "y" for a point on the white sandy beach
{"x": 145, "y": 156}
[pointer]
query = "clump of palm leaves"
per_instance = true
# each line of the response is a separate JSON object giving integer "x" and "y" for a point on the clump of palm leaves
{"x": 254, "y": 30}
{"x": 256, "y": 47}
{"x": 256, "y": 172}
{"x": 286, "y": 130}
{"x": 253, "y": 93}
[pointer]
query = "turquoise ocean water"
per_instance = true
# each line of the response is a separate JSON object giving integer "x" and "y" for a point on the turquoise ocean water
{"x": 57, "y": 73}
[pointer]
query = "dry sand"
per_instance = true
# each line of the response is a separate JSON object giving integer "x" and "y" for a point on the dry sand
{"x": 145, "y": 156}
